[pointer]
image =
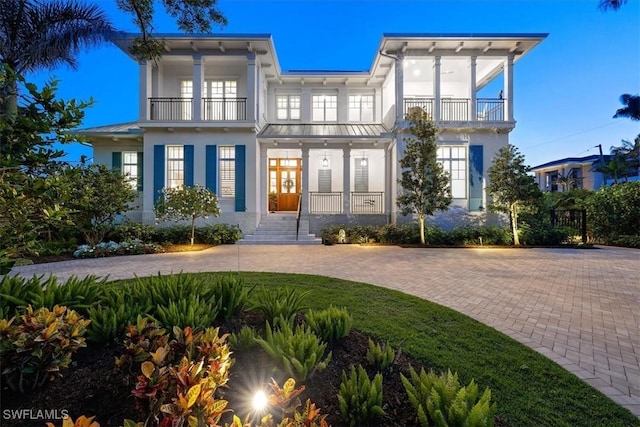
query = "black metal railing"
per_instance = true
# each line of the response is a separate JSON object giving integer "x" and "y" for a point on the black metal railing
{"x": 224, "y": 109}
{"x": 171, "y": 109}
{"x": 490, "y": 109}
{"x": 454, "y": 109}
{"x": 298, "y": 210}
{"x": 367, "y": 203}
{"x": 426, "y": 104}
{"x": 571, "y": 218}
{"x": 325, "y": 203}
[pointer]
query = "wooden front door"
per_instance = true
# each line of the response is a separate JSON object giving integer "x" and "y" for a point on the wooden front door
{"x": 284, "y": 184}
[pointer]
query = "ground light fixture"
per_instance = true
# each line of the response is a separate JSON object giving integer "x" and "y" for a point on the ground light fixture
{"x": 259, "y": 401}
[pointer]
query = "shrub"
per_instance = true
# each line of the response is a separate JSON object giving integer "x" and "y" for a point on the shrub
{"x": 625, "y": 241}
{"x": 360, "y": 398}
{"x": 380, "y": 356}
{"x": 231, "y": 295}
{"x": 218, "y": 234}
{"x": 283, "y": 302}
{"x": 439, "y": 400}
{"x": 188, "y": 311}
{"x": 286, "y": 399}
{"x": 38, "y": 344}
{"x": 17, "y": 292}
{"x": 127, "y": 247}
{"x": 299, "y": 353}
{"x": 175, "y": 234}
{"x": 399, "y": 234}
{"x": 109, "y": 319}
{"x": 141, "y": 340}
{"x": 613, "y": 210}
{"x": 243, "y": 340}
{"x": 163, "y": 289}
{"x": 536, "y": 233}
{"x": 330, "y": 324}
{"x": 81, "y": 421}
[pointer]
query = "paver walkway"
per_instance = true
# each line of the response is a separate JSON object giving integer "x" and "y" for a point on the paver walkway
{"x": 581, "y": 308}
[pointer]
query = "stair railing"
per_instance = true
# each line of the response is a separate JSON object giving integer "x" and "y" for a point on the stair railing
{"x": 298, "y": 215}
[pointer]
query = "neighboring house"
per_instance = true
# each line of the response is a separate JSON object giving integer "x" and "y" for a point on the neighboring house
{"x": 572, "y": 172}
{"x": 217, "y": 110}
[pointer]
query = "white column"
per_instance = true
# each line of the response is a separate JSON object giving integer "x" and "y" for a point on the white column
{"x": 473, "y": 110}
{"x": 304, "y": 205}
{"x": 346, "y": 180}
{"x": 399, "y": 68}
{"x": 508, "y": 86}
{"x": 251, "y": 87}
{"x": 197, "y": 84}
{"x": 386, "y": 159}
{"x": 305, "y": 99}
{"x": 263, "y": 181}
{"x": 144, "y": 90}
{"x": 343, "y": 105}
{"x": 436, "y": 88}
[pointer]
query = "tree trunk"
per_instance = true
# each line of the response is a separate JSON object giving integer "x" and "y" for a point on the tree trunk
{"x": 421, "y": 219}
{"x": 193, "y": 229}
{"x": 514, "y": 224}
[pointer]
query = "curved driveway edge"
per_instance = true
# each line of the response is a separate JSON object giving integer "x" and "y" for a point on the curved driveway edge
{"x": 579, "y": 307}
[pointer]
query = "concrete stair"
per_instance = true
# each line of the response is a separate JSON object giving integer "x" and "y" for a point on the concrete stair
{"x": 280, "y": 229}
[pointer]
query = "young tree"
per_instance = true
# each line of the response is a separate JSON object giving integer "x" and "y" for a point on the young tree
{"x": 187, "y": 202}
{"x": 511, "y": 186}
{"x": 425, "y": 184}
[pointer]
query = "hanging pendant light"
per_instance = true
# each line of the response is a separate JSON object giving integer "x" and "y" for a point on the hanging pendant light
{"x": 363, "y": 161}
{"x": 325, "y": 161}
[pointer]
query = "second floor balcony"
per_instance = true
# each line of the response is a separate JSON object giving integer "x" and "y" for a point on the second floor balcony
{"x": 460, "y": 109}
{"x": 212, "y": 109}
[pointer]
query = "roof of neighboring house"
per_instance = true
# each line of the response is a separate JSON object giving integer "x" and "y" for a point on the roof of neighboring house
{"x": 352, "y": 131}
{"x": 583, "y": 160}
{"x": 130, "y": 128}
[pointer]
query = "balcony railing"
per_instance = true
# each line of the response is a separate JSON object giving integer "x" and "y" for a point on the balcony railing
{"x": 325, "y": 203}
{"x": 367, "y": 203}
{"x": 213, "y": 109}
{"x": 457, "y": 109}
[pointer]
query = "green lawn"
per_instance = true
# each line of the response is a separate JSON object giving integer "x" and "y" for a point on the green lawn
{"x": 530, "y": 389}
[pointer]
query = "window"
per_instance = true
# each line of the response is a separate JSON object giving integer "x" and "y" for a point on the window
{"x": 220, "y": 100}
{"x": 227, "y": 171}
{"x": 130, "y": 167}
{"x": 288, "y": 107}
{"x": 360, "y": 108}
{"x": 324, "y": 108}
{"x": 175, "y": 166}
{"x": 186, "y": 93}
{"x": 454, "y": 162}
{"x": 220, "y": 89}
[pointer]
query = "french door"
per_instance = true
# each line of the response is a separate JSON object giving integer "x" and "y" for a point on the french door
{"x": 284, "y": 184}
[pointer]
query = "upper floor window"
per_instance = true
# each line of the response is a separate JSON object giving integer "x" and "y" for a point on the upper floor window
{"x": 288, "y": 107}
{"x": 454, "y": 162}
{"x": 227, "y": 167}
{"x": 221, "y": 89}
{"x": 130, "y": 167}
{"x": 360, "y": 108}
{"x": 324, "y": 108}
{"x": 175, "y": 166}
{"x": 186, "y": 92}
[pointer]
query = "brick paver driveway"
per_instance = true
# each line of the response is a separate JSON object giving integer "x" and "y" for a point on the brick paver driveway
{"x": 580, "y": 308}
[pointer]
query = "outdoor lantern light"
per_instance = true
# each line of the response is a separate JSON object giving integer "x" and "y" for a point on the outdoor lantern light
{"x": 363, "y": 162}
{"x": 325, "y": 161}
{"x": 259, "y": 401}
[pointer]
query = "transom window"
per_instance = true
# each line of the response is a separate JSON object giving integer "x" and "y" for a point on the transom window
{"x": 324, "y": 108}
{"x": 288, "y": 107}
{"x": 360, "y": 108}
{"x": 130, "y": 167}
{"x": 227, "y": 165}
{"x": 454, "y": 162}
{"x": 175, "y": 166}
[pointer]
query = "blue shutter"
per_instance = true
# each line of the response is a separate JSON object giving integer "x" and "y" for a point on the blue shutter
{"x": 116, "y": 160}
{"x": 211, "y": 168}
{"x": 475, "y": 177}
{"x": 158, "y": 171}
{"x": 140, "y": 170}
{"x": 188, "y": 165}
{"x": 241, "y": 168}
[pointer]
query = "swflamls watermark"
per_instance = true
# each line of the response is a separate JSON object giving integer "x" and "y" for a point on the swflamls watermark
{"x": 35, "y": 414}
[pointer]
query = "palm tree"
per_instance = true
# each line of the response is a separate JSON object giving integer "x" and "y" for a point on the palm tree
{"x": 631, "y": 109}
{"x": 36, "y": 34}
{"x": 629, "y": 151}
{"x": 611, "y": 4}
{"x": 617, "y": 169}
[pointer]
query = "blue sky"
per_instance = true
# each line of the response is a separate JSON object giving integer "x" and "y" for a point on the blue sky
{"x": 566, "y": 89}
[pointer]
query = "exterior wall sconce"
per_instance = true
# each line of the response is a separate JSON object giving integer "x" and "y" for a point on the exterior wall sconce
{"x": 325, "y": 161}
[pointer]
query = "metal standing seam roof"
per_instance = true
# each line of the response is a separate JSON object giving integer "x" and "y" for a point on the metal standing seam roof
{"x": 118, "y": 128}
{"x": 324, "y": 131}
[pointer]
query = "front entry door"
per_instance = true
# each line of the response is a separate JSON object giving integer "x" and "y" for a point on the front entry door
{"x": 284, "y": 184}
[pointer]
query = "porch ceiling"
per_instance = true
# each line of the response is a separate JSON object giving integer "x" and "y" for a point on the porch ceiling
{"x": 325, "y": 131}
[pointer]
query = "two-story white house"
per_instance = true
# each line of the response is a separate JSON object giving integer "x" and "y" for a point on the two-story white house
{"x": 217, "y": 110}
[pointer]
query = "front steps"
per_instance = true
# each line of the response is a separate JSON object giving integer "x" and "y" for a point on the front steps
{"x": 280, "y": 229}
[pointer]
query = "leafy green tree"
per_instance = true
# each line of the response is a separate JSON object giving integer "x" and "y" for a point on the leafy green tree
{"x": 511, "y": 186}
{"x": 45, "y": 34}
{"x": 613, "y": 211}
{"x": 425, "y": 184}
{"x": 186, "y": 202}
{"x": 97, "y": 196}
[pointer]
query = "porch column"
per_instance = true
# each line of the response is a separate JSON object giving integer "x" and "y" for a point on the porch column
{"x": 197, "y": 84}
{"x": 144, "y": 90}
{"x": 386, "y": 158}
{"x": 304, "y": 204}
{"x": 436, "y": 88}
{"x": 346, "y": 181}
{"x": 472, "y": 96}
{"x": 263, "y": 181}
{"x": 399, "y": 68}
{"x": 251, "y": 87}
{"x": 508, "y": 87}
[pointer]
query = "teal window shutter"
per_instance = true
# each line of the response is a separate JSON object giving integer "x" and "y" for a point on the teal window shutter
{"x": 210, "y": 181}
{"x": 158, "y": 170}
{"x": 188, "y": 165}
{"x": 475, "y": 177}
{"x": 140, "y": 170}
{"x": 116, "y": 160}
{"x": 241, "y": 168}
